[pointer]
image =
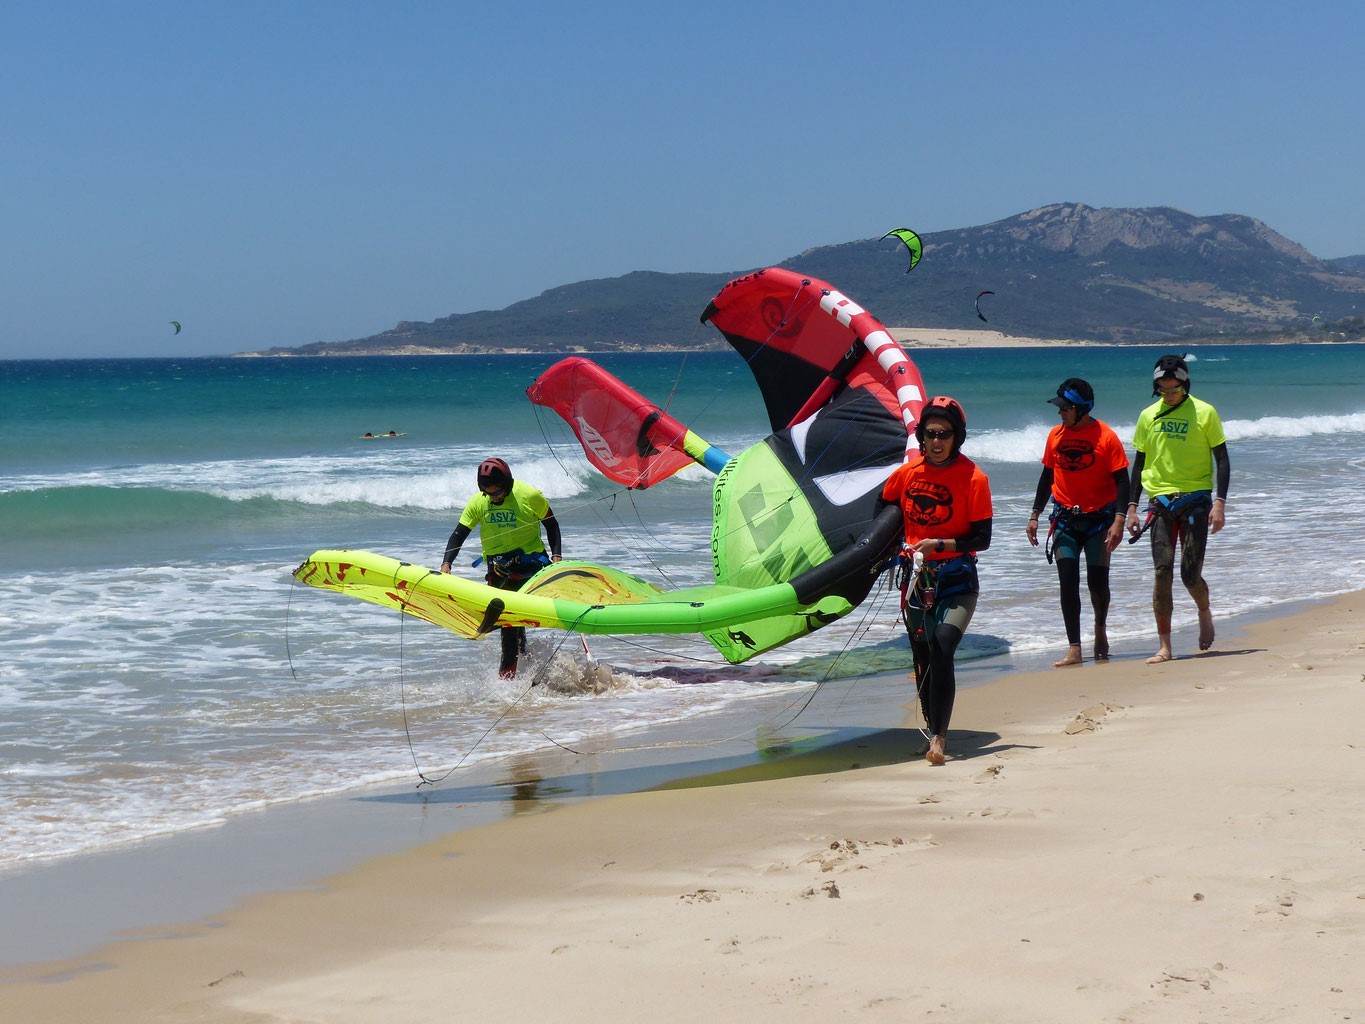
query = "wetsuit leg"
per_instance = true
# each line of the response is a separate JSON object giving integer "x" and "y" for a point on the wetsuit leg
{"x": 1194, "y": 542}
{"x": 1069, "y": 578}
{"x": 1163, "y": 560}
{"x": 1097, "y": 577}
{"x": 512, "y": 638}
{"x": 509, "y": 636}
{"x": 1097, "y": 582}
{"x": 915, "y": 620}
{"x": 939, "y": 688}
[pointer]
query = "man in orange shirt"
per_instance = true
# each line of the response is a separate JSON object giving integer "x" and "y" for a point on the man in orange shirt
{"x": 1085, "y": 471}
{"x": 946, "y": 503}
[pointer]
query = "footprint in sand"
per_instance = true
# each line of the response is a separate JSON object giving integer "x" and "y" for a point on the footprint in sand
{"x": 844, "y": 851}
{"x": 1091, "y": 718}
{"x": 991, "y": 773}
{"x": 700, "y": 896}
{"x": 1175, "y": 982}
{"x": 1282, "y": 905}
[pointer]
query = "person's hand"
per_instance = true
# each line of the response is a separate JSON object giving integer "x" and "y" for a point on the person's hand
{"x": 1031, "y": 529}
{"x": 445, "y": 567}
{"x": 1114, "y": 537}
{"x": 1133, "y": 528}
{"x": 556, "y": 558}
{"x": 1217, "y": 516}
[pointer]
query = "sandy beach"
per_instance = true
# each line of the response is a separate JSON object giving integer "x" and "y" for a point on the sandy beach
{"x": 1114, "y": 842}
{"x": 942, "y": 337}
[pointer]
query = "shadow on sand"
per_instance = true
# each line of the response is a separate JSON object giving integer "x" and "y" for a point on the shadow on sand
{"x": 527, "y": 783}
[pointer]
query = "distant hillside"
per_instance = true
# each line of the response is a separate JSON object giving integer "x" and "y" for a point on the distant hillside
{"x": 1061, "y": 271}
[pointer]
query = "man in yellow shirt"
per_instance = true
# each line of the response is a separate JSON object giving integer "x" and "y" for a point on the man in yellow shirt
{"x": 1180, "y": 447}
{"x": 509, "y": 514}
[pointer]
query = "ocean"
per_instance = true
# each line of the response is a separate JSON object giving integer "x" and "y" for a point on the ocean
{"x": 161, "y": 672}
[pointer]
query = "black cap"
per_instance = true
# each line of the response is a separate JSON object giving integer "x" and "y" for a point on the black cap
{"x": 1074, "y": 392}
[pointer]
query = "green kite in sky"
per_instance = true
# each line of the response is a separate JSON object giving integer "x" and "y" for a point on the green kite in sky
{"x": 912, "y": 243}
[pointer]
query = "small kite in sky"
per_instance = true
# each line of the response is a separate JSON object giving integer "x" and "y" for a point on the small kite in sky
{"x": 980, "y": 315}
{"x": 176, "y": 325}
{"x": 912, "y": 243}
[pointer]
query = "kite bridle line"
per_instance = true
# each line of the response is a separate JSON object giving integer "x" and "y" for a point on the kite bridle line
{"x": 931, "y": 617}
{"x": 425, "y": 779}
{"x": 288, "y": 648}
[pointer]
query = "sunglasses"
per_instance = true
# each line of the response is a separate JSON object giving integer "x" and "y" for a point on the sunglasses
{"x": 938, "y": 435}
{"x": 1168, "y": 388}
{"x": 495, "y": 492}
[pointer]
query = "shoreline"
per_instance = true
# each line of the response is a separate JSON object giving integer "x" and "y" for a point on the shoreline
{"x": 919, "y": 337}
{"x": 1118, "y": 840}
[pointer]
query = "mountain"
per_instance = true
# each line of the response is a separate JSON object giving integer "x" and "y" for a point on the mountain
{"x": 1060, "y": 271}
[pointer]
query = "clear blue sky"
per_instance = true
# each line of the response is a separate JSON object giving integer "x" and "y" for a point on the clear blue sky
{"x": 278, "y": 173}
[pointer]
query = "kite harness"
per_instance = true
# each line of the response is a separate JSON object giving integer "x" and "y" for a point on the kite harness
{"x": 1078, "y": 525}
{"x": 1182, "y": 509}
{"x": 924, "y": 585}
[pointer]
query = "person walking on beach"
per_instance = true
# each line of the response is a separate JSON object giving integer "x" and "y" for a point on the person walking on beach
{"x": 1182, "y": 459}
{"x": 1085, "y": 472}
{"x": 509, "y": 514}
{"x": 945, "y": 500}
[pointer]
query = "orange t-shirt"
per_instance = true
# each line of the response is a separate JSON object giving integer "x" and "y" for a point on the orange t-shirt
{"x": 939, "y": 501}
{"x": 1083, "y": 462}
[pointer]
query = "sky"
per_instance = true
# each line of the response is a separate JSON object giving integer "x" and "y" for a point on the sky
{"x": 279, "y": 173}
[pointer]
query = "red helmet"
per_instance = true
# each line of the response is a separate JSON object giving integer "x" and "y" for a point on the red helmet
{"x": 945, "y": 408}
{"x": 496, "y": 473}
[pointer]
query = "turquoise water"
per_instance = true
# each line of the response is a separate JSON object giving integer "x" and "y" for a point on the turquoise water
{"x": 160, "y": 672}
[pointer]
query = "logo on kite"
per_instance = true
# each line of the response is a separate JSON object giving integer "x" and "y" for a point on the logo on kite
{"x": 980, "y": 315}
{"x": 176, "y": 325}
{"x": 912, "y": 243}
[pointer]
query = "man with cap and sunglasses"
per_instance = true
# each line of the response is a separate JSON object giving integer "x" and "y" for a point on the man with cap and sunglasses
{"x": 1182, "y": 460}
{"x": 1085, "y": 473}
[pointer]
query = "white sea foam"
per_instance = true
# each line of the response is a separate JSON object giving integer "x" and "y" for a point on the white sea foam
{"x": 1025, "y": 444}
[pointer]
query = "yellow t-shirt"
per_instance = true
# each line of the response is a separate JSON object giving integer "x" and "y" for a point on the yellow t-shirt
{"x": 1177, "y": 446}
{"x": 511, "y": 525}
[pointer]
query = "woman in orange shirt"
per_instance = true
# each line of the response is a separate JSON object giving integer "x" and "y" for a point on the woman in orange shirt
{"x": 945, "y": 499}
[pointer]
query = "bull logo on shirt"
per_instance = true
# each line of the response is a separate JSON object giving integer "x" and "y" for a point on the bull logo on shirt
{"x": 1075, "y": 454}
{"x": 928, "y": 504}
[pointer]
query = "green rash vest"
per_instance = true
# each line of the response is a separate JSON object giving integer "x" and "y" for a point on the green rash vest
{"x": 513, "y": 524}
{"x": 1177, "y": 446}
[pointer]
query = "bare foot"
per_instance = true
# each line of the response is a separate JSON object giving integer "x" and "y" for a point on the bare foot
{"x": 1073, "y": 657}
{"x": 1206, "y": 629}
{"x": 938, "y": 751}
{"x": 1162, "y": 655}
{"x": 1101, "y": 643}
